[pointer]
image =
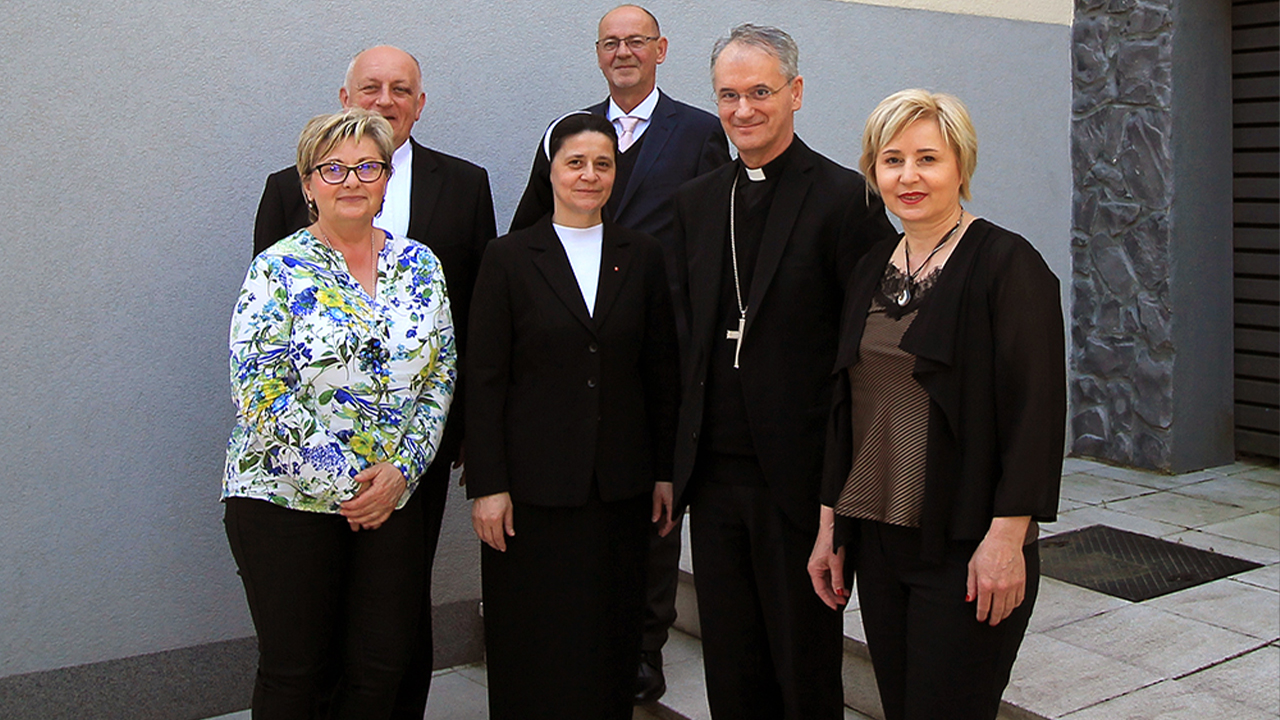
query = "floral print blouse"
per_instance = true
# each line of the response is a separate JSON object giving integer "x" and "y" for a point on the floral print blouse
{"x": 328, "y": 380}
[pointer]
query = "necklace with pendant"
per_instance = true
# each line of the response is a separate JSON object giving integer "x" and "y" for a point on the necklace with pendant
{"x": 906, "y": 294}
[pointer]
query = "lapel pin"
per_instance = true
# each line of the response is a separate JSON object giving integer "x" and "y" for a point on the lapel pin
{"x": 615, "y": 268}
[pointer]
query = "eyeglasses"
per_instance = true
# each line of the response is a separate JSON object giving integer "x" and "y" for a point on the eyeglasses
{"x": 757, "y": 94}
{"x": 635, "y": 42}
{"x": 336, "y": 173}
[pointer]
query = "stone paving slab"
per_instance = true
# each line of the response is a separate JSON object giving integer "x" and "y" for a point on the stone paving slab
{"x": 1252, "y": 679}
{"x": 1227, "y": 546}
{"x": 1226, "y": 604}
{"x": 1267, "y": 576}
{"x": 1092, "y": 490}
{"x": 1060, "y": 603}
{"x": 1162, "y": 642}
{"x": 1168, "y": 700}
{"x": 1052, "y": 678}
{"x": 1106, "y": 515}
{"x": 1260, "y": 528}
{"x": 1236, "y": 490}
{"x": 1180, "y": 509}
{"x": 457, "y": 694}
{"x": 1145, "y": 478}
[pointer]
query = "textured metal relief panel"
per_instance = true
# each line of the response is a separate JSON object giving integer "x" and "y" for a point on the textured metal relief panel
{"x": 1122, "y": 349}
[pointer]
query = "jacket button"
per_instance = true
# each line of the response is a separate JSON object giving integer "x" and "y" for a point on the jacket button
{"x": 695, "y": 435}
{"x": 593, "y": 347}
{"x": 591, "y": 382}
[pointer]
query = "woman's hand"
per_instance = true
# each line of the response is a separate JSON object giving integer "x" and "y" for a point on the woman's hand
{"x": 381, "y": 487}
{"x": 997, "y": 570}
{"x": 663, "y": 498}
{"x": 826, "y": 567}
{"x": 491, "y": 516}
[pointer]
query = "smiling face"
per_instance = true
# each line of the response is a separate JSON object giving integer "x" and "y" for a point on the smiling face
{"x": 582, "y": 174}
{"x": 387, "y": 81}
{"x": 760, "y": 128}
{"x": 350, "y": 201}
{"x": 918, "y": 175}
{"x": 630, "y": 72}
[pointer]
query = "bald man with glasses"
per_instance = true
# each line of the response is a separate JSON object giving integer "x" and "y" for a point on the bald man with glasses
{"x": 443, "y": 202}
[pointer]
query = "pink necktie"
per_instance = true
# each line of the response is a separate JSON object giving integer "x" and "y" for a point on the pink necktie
{"x": 628, "y": 137}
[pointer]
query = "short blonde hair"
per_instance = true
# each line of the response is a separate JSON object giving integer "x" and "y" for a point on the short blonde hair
{"x": 896, "y": 112}
{"x": 323, "y": 133}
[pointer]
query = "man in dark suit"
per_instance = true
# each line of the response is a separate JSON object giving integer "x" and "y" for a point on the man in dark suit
{"x": 766, "y": 247}
{"x": 441, "y": 201}
{"x": 671, "y": 143}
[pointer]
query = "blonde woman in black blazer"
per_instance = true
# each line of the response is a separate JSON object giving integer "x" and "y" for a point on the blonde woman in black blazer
{"x": 946, "y": 435}
{"x": 572, "y": 395}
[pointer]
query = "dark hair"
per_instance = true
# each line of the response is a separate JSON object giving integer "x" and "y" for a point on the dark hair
{"x": 576, "y": 124}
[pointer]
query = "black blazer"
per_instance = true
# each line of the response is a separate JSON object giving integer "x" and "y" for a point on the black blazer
{"x": 819, "y": 225}
{"x": 681, "y": 143}
{"x": 450, "y": 211}
{"x": 990, "y": 352}
{"x": 558, "y": 397}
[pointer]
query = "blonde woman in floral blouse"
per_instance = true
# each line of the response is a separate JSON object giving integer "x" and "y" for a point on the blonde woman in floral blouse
{"x": 342, "y": 370}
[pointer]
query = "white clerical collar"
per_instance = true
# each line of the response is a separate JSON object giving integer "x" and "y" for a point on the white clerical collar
{"x": 754, "y": 174}
{"x": 644, "y": 110}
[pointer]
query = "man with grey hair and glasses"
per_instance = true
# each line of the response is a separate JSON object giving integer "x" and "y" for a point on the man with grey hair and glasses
{"x": 443, "y": 202}
{"x": 765, "y": 247}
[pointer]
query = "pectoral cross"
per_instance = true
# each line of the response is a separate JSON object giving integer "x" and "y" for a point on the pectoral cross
{"x": 737, "y": 335}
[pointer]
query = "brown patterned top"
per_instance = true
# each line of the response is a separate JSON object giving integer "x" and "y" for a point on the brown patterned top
{"x": 890, "y": 412}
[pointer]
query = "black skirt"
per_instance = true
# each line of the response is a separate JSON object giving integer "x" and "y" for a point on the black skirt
{"x": 563, "y": 611}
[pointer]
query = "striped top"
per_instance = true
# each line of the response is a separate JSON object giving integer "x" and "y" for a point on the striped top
{"x": 890, "y": 412}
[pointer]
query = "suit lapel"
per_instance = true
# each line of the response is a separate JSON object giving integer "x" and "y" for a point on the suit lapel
{"x": 552, "y": 262}
{"x": 661, "y": 124}
{"x": 615, "y": 261}
{"x": 858, "y": 301}
{"x": 932, "y": 336}
{"x": 705, "y": 248}
{"x": 424, "y": 192}
{"x": 793, "y": 186}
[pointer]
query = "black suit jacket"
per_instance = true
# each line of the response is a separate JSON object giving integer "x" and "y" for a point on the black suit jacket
{"x": 820, "y": 223}
{"x": 990, "y": 352}
{"x": 558, "y": 397}
{"x": 450, "y": 211}
{"x": 681, "y": 143}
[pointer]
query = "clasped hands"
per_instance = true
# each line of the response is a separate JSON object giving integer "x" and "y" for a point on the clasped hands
{"x": 381, "y": 486}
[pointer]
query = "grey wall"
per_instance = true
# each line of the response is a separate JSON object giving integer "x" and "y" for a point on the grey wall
{"x": 135, "y": 140}
{"x": 1201, "y": 248}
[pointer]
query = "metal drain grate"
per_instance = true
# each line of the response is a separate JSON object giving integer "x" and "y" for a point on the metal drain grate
{"x": 1131, "y": 566}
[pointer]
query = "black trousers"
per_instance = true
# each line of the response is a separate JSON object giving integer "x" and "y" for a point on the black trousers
{"x": 663, "y": 581}
{"x": 562, "y": 611}
{"x": 932, "y": 658}
{"x": 411, "y": 699}
{"x": 771, "y": 648}
{"x": 329, "y": 605}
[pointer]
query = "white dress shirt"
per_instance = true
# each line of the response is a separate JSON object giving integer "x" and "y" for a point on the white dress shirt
{"x": 394, "y": 217}
{"x": 644, "y": 111}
